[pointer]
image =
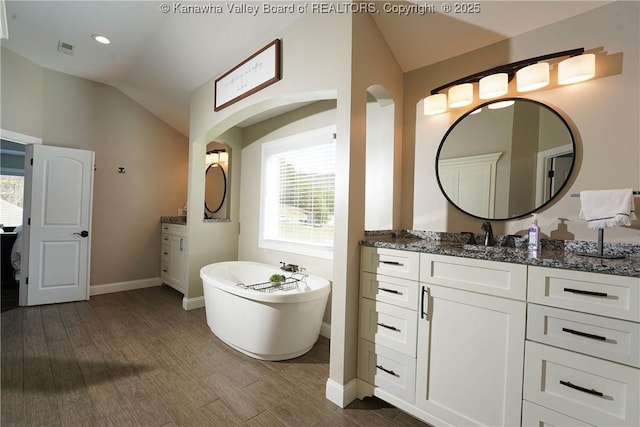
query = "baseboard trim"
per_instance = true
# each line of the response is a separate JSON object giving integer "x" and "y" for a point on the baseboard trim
{"x": 341, "y": 395}
{"x": 325, "y": 330}
{"x": 109, "y": 288}
{"x": 192, "y": 303}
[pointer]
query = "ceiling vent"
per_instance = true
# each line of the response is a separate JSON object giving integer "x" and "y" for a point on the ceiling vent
{"x": 65, "y": 48}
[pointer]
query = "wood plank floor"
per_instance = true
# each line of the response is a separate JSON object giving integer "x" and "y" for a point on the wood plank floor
{"x": 137, "y": 358}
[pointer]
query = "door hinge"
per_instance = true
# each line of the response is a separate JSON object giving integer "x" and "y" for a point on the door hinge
{"x": 26, "y": 281}
{"x": 551, "y": 174}
{"x": 31, "y": 162}
{"x": 29, "y": 221}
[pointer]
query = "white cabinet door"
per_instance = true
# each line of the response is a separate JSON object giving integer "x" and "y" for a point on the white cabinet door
{"x": 470, "y": 357}
{"x": 174, "y": 262}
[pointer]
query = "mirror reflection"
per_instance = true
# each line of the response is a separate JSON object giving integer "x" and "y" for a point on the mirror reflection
{"x": 215, "y": 188}
{"x": 505, "y": 159}
{"x": 216, "y": 185}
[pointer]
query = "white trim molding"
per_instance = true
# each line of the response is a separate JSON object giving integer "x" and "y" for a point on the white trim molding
{"x": 192, "y": 303}
{"x": 341, "y": 395}
{"x": 12, "y": 136}
{"x": 109, "y": 288}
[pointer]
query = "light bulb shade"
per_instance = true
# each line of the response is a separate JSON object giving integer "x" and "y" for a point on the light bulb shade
{"x": 435, "y": 104}
{"x": 533, "y": 77}
{"x": 577, "y": 69}
{"x": 461, "y": 95}
{"x": 494, "y": 85}
{"x": 212, "y": 158}
{"x": 501, "y": 104}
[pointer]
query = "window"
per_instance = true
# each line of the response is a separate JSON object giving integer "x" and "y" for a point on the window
{"x": 298, "y": 186}
{"x": 11, "y": 183}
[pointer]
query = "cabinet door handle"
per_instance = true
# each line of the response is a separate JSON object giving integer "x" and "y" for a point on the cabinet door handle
{"x": 388, "y": 371}
{"x": 423, "y": 313}
{"x": 391, "y": 291}
{"x": 391, "y": 263}
{"x": 393, "y": 328}
{"x": 582, "y": 389}
{"x": 584, "y": 334}
{"x": 164, "y": 271}
{"x": 180, "y": 245}
{"x": 590, "y": 293}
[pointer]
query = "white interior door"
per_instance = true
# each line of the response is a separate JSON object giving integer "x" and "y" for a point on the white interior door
{"x": 57, "y": 225}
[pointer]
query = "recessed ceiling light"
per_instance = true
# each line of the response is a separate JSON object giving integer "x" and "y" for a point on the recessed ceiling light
{"x": 101, "y": 39}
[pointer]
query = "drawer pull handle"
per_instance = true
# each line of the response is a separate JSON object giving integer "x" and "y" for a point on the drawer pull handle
{"x": 391, "y": 291}
{"x": 590, "y": 293}
{"x": 391, "y": 263}
{"x": 584, "y": 334}
{"x": 164, "y": 271}
{"x": 393, "y": 328}
{"x": 388, "y": 371}
{"x": 582, "y": 389}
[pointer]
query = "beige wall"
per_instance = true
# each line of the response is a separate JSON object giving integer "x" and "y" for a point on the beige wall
{"x": 603, "y": 113}
{"x": 72, "y": 112}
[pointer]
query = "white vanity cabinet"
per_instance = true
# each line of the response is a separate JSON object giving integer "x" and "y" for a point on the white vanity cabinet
{"x": 471, "y": 341}
{"x": 582, "y": 353}
{"x": 442, "y": 337}
{"x": 173, "y": 256}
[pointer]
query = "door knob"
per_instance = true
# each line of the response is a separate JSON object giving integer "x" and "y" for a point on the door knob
{"x": 83, "y": 233}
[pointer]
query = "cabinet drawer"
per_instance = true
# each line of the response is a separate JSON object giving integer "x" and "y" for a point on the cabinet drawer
{"x": 612, "y": 339}
{"x": 176, "y": 229}
{"x": 537, "y": 416}
{"x": 390, "y": 262}
{"x": 386, "y": 324}
{"x": 165, "y": 251}
{"x": 164, "y": 270}
{"x": 604, "y": 294}
{"x": 400, "y": 292}
{"x": 583, "y": 387}
{"x": 488, "y": 277}
{"x": 387, "y": 369}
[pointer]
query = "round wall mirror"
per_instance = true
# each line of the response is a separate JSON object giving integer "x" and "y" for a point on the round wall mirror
{"x": 215, "y": 188}
{"x": 505, "y": 159}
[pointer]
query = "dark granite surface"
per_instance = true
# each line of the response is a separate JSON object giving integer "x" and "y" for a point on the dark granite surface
{"x": 554, "y": 253}
{"x": 182, "y": 220}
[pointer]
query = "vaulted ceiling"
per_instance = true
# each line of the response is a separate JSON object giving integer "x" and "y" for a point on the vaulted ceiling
{"x": 159, "y": 57}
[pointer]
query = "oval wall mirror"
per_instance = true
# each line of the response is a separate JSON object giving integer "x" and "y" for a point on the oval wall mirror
{"x": 505, "y": 159}
{"x": 215, "y": 188}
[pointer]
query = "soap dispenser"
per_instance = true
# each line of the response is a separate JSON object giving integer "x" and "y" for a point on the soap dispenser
{"x": 534, "y": 237}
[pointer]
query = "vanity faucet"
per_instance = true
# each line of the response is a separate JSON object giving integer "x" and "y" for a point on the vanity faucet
{"x": 488, "y": 233}
{"x": 289, "y": 267}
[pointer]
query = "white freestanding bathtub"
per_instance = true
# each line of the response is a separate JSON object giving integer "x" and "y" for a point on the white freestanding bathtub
{"x": 275, "y": 325}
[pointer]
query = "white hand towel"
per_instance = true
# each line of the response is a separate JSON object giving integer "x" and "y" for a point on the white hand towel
{"x": 607, "y": 208}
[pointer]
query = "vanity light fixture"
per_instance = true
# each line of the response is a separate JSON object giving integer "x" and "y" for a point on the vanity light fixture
{"x": 100, "y": 38}
{"x": 214, "y": 157}
{"x": 531, "y": 74}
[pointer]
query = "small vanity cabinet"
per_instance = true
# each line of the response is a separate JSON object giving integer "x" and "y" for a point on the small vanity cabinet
{"x": 583, "y": 349}
{"x": 173, "y": 256}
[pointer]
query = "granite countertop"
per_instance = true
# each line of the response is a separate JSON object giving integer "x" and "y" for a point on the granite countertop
{"x": 182, "y": 220}
{"x": 554, "y": 254}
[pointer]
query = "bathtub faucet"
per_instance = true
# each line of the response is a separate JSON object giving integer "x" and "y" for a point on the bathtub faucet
{"x": 289, "y": 267}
